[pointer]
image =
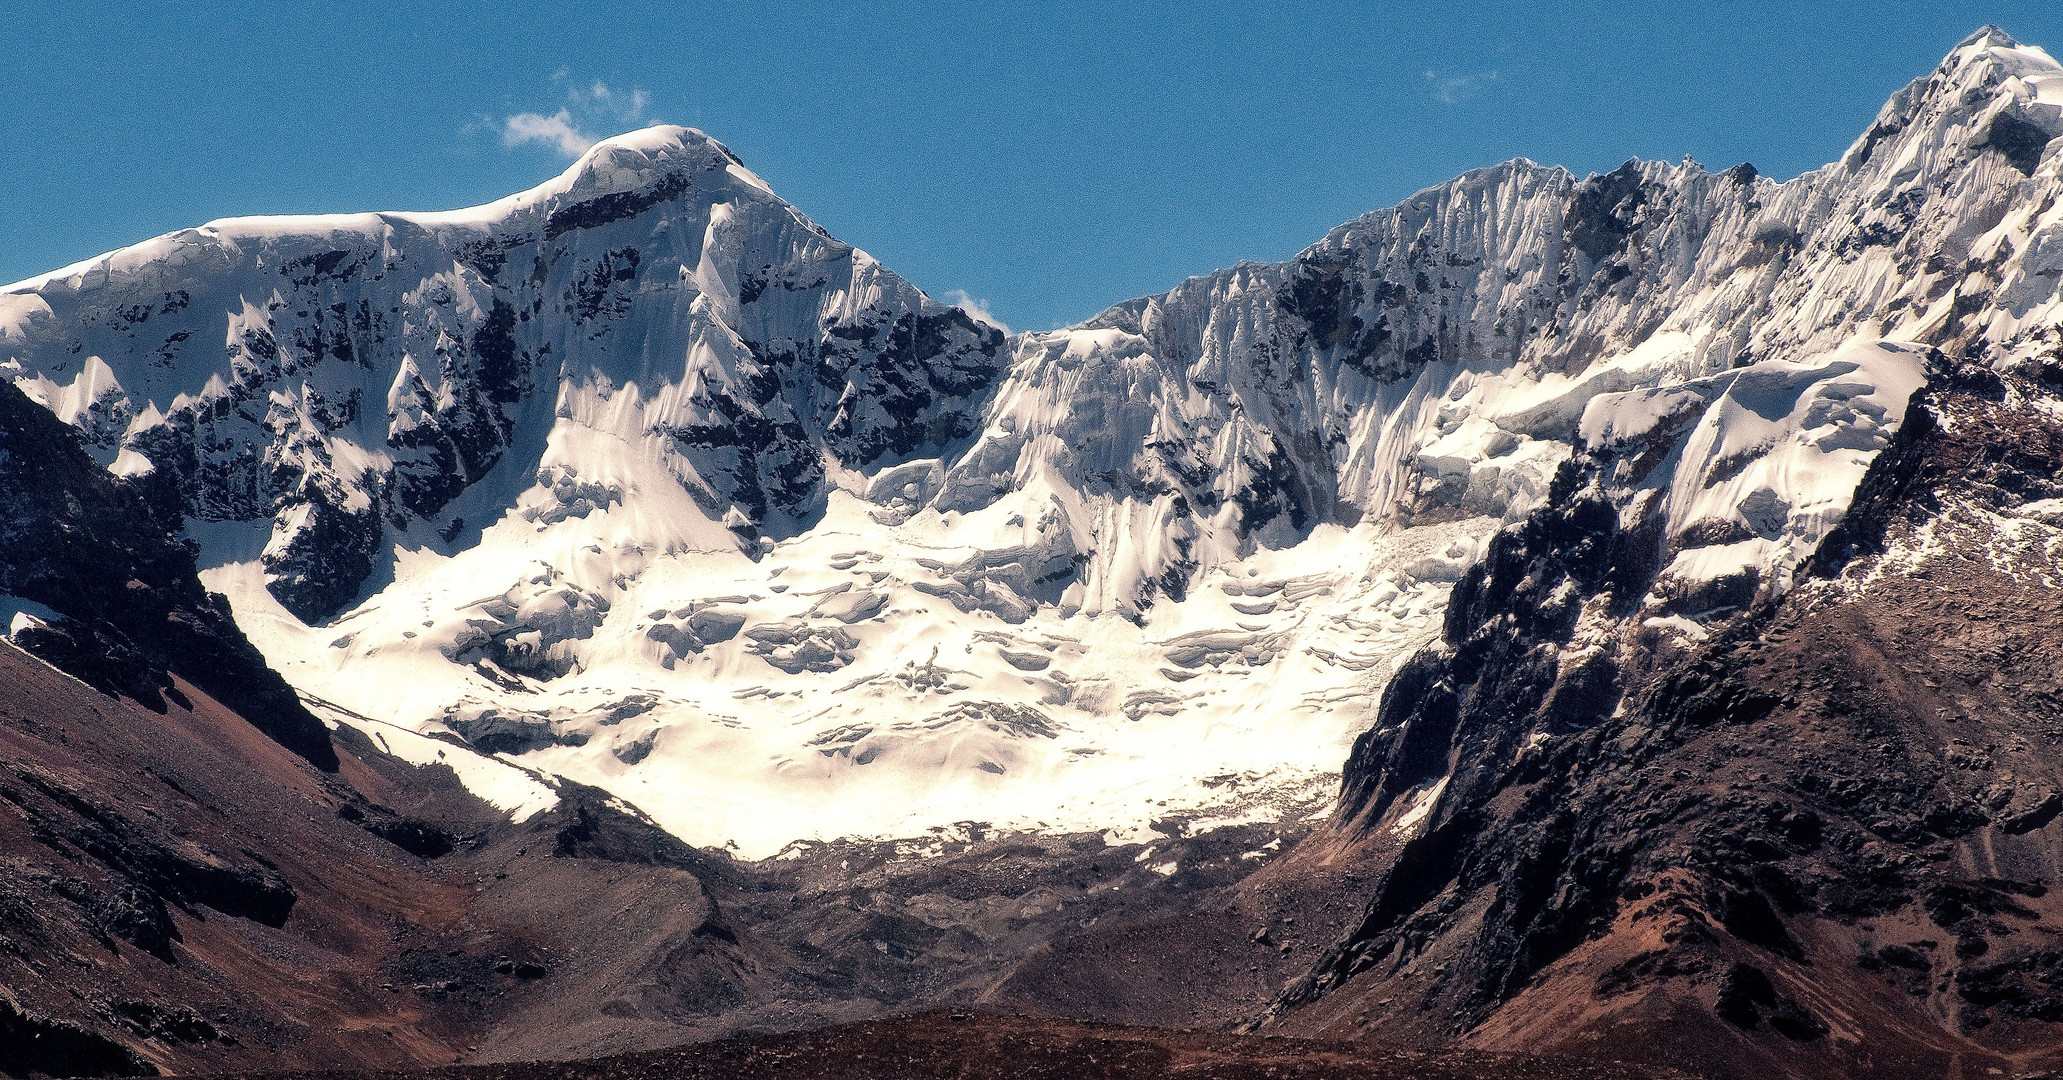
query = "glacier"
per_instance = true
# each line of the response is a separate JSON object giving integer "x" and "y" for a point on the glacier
{"x": 641, "y": 479}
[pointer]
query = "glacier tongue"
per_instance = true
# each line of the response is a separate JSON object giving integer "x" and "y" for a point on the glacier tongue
{"x": 847, "y": 683}
{"x": 641, "y": 479}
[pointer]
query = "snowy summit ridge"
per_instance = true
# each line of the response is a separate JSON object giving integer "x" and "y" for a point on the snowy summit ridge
{"x": 641, "y": 479}
{"x": 443, "y": 319}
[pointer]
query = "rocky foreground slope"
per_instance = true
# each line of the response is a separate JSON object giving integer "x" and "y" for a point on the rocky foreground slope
{"x": 182, "y": 894}
{"x": 187, "y": 888}
{"x": 1818, "y": 842}
{"x": 1721, "y": 507}
{"x": 1811, "y": 832}
{"x": 981, "y": 1046}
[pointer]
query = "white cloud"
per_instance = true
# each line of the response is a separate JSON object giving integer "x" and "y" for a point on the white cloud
{"x": 588, "y": 108}
{"x": 602, "y": 99}
{"x": 555, "y": 130}
{"x": 979, "y": 309}
{"x": 1454, "y": 89}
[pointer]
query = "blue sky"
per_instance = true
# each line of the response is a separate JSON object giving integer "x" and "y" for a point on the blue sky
{"x": 1047, "y": 159}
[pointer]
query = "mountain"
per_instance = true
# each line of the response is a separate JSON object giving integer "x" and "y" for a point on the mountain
{"x": 1600, "y": 586}
{"x": 1819, "y": 841}
{"x": 189, "y": 888}
{"x": 1791, "y": 824}
{"x": 92, "y": 582}
{"x": 347, "y": 378}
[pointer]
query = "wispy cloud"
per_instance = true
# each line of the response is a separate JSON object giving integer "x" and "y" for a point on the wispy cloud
{"x": 978, "y": 308}
{"x": 1453, "y": 88}
{"x": 587, "y": 108}
{"x": 602, "y": 99}
{"x": 554, "y": 130}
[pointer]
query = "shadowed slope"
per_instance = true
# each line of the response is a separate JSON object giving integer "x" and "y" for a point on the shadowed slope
{"x": 82, "y": 543}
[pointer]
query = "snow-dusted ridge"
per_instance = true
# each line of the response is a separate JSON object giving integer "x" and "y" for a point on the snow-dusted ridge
{"x": 641, "y": 477}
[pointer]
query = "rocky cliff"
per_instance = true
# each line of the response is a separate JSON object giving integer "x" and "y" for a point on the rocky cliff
{"x": 1797, "y": 824}
{"x": 92, "y": 581}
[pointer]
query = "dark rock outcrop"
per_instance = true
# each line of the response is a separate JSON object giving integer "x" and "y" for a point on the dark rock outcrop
{"x": 87, "y": 545}
{"x": 1620, "y": 817}
{"x": 31, "y": 1045}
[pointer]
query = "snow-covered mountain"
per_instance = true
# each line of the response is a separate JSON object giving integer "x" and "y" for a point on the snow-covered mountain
{"x": 641, "y": 479}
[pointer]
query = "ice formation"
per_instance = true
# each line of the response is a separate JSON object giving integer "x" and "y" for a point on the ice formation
{"x": 641, "y": 479}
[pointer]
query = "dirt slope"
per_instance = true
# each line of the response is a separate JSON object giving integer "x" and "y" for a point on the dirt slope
{"x": 980, "y": 1046}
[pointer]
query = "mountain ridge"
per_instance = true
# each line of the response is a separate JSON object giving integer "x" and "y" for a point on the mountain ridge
{"x": 1543, "y": 612}
{"x": 862, "y": 478}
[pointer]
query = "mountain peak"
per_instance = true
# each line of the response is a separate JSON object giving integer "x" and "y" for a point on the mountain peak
{"x": 647, "y": 427}
{"x": 658, "y": 143}
{"x": 1988, "y": 36}
{"x": 640, "y": 159}
{"x": 1989, "y": 92}
{"x": 1996, "y": 52}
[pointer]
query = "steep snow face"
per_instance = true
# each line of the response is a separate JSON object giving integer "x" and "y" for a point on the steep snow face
{"x": 675, "y": 495}
{"x": 1440, "y": 358}
{"x": 353, "y": 378}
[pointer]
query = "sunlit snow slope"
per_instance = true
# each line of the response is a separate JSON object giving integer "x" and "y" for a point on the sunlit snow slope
{"x": 640, "y": 479}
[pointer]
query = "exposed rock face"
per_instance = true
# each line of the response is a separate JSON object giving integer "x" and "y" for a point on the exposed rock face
{"x": 1829, "y": 827}
{"x": 84, "y": 545}
{"x": 1794, "y": 823}
{"x": 649, "y": 433}
{"x": 181, "y": 893}
{"x": 1789, "y": 816}
{"x": 1734, "y": 502}
{"x": 981, "y": 1045}
{"x": 346, "y": 378}
{"x": 31, "y": 1045}
{"x": 647, "y": 427}
{"x": 1436, "y": 358}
